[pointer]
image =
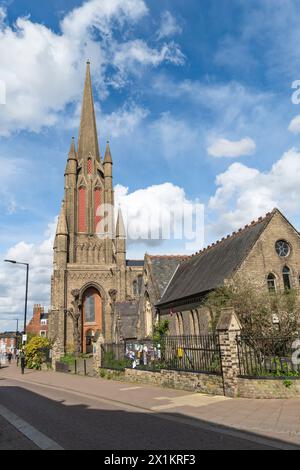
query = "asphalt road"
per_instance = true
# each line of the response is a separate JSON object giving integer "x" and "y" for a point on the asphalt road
{"x": 83, "y": 422}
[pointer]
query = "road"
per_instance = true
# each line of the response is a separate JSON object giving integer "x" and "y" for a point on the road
{"x": 67, "y": 412}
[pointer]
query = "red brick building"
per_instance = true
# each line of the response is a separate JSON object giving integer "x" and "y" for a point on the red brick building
{"x": 8, "y": 342}
{"x": 38, "y": 325}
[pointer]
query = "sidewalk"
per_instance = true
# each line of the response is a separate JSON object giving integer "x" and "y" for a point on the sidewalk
{"x": 276, "y": 418}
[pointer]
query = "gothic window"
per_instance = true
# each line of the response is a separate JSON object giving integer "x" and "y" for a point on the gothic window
{"x": 286, "y": 274}
{"x": 81, "y": 209}
{"x": 135, "y": 288}
{"x": 192, "y": 323}
{"x": 271, "y": 280}
{"x": 97, "y": 203}
{"x": 179, "y": 323}
{"x": 89, "y": 307}
{"x": 196, "y": 322}
{"x": 282, "y": 248}
{"x": 148, "y": 316}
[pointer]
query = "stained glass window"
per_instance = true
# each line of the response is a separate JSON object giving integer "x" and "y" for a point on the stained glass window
{"x": 89, "y": 308}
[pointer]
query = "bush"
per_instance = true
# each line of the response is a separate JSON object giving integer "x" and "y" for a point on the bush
{"x": 35, "y": 352}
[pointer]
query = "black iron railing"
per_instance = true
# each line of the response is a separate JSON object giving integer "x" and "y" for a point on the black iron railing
{"x": 185, "y": 353}
{"x": 268, "y": 356}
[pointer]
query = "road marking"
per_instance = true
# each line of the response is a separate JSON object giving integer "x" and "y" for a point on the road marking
{"x": 128, "y": 388}
{"x": 38, "y": 438}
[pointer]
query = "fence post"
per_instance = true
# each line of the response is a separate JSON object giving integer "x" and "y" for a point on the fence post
{"x": 228, "y": 328}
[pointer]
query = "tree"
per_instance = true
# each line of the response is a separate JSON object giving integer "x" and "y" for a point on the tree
{"x": 256, "y": 308}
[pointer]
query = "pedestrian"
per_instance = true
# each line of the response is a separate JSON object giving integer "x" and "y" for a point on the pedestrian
{"x": 23, "y": 360}
{"x": 17, "y": 357}
{"x": 9, "y": 356}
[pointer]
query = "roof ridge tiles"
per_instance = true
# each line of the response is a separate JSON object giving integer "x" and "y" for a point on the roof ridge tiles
{"x": 235, "y": 233}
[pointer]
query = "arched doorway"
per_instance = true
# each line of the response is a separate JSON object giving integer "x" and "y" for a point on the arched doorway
{"x": 92, "y": 318}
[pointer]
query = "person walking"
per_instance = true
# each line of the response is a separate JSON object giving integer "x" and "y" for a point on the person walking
{"x": 9, "y": 356}
{"x": 23, "y": 360}
{"x": 17, "y": 357}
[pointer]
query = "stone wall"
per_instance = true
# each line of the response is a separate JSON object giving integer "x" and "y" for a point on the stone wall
{"x": 269, "y": 388}
{"x": 190, "y": 381}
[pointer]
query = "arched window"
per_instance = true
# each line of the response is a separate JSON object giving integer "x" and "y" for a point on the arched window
{"x": 286, "y": 274}
{"x": 179, "y": 323}
{"x": 192, "y": 323}
{"x": 196, "y": 322}
{"x": 271, "y": 280}
{"x": 135, "y": 289}
{"x": 148, "y": 316}
{"x": 92, "y": 315}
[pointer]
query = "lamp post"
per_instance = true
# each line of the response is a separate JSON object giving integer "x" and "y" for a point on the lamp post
{"x": 26, "y": 291}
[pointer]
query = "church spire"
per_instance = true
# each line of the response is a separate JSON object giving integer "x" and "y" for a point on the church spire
{"x": 88, "y": 139}
{"x": 107, "y": 157}
{"x": 62, "y": 228}
{"x": 120, "y": 227}
{"x": 72, "y": 152}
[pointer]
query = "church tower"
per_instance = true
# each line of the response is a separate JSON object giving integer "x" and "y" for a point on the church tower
{"x": 90, "y": 271}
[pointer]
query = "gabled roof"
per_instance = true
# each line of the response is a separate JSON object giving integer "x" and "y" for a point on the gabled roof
{"x": 162, "y": 270}
{"x": 209, "y": 268}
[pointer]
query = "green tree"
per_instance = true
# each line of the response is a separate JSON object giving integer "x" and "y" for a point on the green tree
{"x": 35, "y": 351}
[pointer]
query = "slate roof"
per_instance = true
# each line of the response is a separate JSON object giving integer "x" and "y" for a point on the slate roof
{"x": 209, "y": 268}
{"x": 128, "y": 318}
{"x": 163, "y": 268}
{"x": 134, "y": 262}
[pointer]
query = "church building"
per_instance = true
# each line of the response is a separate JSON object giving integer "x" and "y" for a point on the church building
{"x": 90, "y": 270}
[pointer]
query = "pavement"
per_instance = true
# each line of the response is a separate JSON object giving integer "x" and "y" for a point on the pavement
{"x": 65, "y": 411}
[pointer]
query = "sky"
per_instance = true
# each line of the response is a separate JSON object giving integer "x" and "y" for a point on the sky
{"x": 198, "y": 99}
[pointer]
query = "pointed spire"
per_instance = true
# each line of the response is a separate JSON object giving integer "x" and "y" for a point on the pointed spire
{"x": 107, "y": 157}
{"x": 72, "y": 151}
{"x": 120, "y": 227}
{"x": 88, "y": 139}
{"x": 62, "y": 228}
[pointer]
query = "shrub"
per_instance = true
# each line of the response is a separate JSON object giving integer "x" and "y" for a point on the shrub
{"x": 35, "y": 352}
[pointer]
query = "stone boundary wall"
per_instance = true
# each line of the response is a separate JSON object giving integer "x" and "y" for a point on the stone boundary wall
{"x": 269, "y": 387}
{"x": 179, "y": 380}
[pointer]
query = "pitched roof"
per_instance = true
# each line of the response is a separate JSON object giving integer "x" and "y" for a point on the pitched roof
{"x": 209, "y": 268}
{"x": 134, "y": 262}
{"x": 163, "y": 268}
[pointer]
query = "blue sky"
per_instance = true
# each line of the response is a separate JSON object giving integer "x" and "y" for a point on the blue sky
{"x": 195, "y": 94}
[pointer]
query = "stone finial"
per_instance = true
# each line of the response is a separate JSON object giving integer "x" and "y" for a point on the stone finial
{"x": 228, "y": 320}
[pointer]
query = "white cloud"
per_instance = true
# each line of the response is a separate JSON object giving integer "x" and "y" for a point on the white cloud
{"x": 153, "y": 209}
{"x": 231, "y": 149}
{"x": 245, "y": 193}
{"x": 12, "y": 278}
{"x": 169, "y": 26}
{"x": 43, "y": 70}
{"x": 138, "y": 52}
{"x": 123, "y": 121}
{"x": 294, "y": 125}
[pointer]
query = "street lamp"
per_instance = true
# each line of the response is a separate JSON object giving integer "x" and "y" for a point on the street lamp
{"x": 26, "y": 291}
